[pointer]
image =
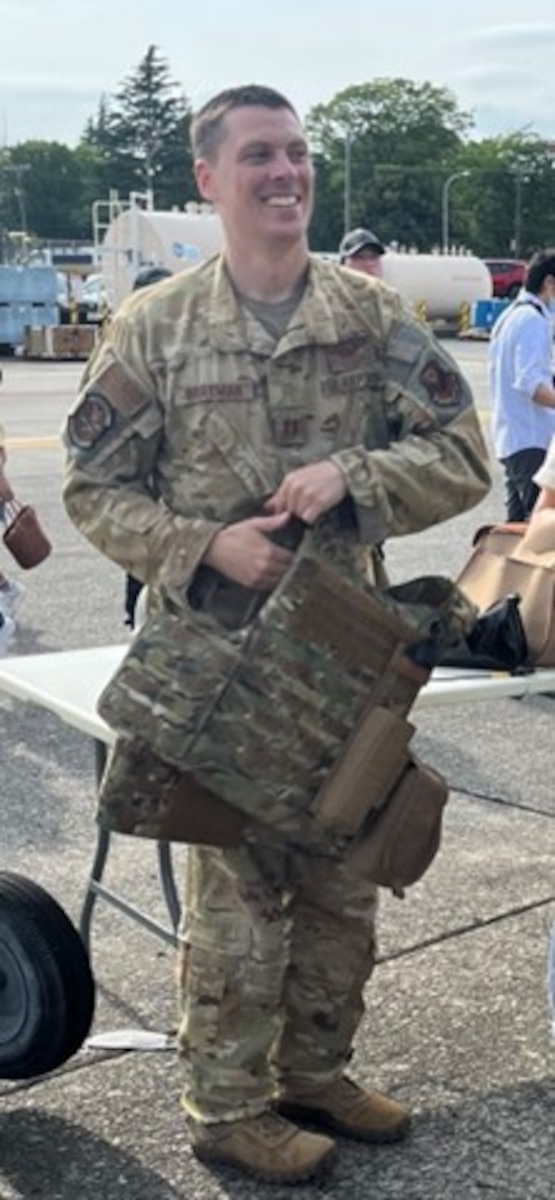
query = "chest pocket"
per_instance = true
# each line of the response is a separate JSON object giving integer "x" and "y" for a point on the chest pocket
{"x": 256, "y": 468}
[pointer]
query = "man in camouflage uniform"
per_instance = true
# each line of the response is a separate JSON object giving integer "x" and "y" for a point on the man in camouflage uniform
{"x": 263, "y": 385}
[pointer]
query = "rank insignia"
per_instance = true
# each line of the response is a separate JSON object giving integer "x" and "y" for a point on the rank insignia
{"x": 290, "y": 429}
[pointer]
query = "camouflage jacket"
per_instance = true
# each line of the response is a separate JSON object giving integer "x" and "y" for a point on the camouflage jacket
{"x": 190, "y": 414}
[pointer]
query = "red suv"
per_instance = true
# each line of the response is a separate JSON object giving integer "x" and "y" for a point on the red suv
{"x": 507, "y": 275}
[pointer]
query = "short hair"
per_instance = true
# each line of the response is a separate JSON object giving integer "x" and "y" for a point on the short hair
{"x": 541, "y": 264}
{"x": 207, "y": 126}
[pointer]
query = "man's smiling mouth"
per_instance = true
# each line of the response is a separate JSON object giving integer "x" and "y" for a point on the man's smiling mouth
{"x": 282, "y": 201}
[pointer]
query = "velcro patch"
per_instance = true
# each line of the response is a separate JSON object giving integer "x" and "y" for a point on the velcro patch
{"x": 121, "y": 391}
{"x": 350, "y": 354}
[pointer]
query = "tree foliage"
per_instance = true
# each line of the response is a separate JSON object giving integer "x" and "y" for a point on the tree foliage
{"x": 384, "y": 151}
{"x": 142, "y": 135}
{"x": 47, "y": 189}
{"x": 391, "y": 141}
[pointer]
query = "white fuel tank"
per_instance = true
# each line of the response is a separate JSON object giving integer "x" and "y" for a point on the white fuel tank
{"x": 140, "y": 237}
{"x": 437, "y": 285}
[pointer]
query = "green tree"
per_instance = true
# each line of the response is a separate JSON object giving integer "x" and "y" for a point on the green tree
{"x": 387, "y": 146}
{"x": 506, "y": 205}
{"x": 46, "y": 190}
{"x": 142, "y": 136}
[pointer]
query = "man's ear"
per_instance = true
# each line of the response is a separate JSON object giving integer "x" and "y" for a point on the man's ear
{"x": 204, "y": 177}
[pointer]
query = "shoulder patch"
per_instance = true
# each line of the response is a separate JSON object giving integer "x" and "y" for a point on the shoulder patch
{"x": 90, "y": 420}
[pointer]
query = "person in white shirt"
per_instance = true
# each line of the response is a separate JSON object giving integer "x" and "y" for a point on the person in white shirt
{"x": 521, "y": 384}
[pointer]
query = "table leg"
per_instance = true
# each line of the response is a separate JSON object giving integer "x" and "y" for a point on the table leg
{"x": 95, "y": 887}
{"x": 167, "y": 880}
{"x": 100, "y": 855}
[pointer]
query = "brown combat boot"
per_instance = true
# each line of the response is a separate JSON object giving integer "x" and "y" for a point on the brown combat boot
{"x": 267, "y": 1147}
{"x": 346, "y": 1108}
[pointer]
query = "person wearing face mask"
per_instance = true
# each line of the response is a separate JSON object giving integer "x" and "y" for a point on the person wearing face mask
{"x": 521, "y": 384}
{"x": 361, "y": 250}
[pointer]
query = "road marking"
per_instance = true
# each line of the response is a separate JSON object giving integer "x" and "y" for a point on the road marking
{"x": 33, "y": 443}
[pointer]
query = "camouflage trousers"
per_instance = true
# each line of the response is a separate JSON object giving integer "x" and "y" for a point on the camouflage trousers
{"x": 277, "y": 947}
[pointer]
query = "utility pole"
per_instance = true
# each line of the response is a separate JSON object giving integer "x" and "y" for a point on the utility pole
{"x": 347, "y": 182}
{"x": 445, "y": 208}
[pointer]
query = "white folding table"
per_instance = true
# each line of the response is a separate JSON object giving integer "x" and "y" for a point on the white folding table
{"x": 69, "y": 683}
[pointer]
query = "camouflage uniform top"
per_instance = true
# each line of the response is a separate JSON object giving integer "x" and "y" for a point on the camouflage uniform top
{"x": 190, "y": 415}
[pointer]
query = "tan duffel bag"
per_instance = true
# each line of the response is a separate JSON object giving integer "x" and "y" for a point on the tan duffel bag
{"x": 518, "y": 559}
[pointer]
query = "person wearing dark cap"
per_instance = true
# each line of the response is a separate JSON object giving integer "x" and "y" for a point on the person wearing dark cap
{"x": 361, "y": 250}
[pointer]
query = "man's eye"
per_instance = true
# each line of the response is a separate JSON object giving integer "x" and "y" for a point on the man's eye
{"x": 258, "y": 155}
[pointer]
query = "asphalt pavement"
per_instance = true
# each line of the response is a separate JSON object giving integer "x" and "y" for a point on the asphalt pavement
{"x": 457, "y": 1022}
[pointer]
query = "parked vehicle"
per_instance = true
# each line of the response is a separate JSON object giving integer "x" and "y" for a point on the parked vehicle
{"x": 94, "y": 299}
{"x": 81, "y": 300}
{"x": 507, "y": 275}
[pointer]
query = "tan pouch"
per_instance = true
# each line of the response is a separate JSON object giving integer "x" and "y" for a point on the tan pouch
{"x": 400, "y": 841}
{"x": 374, "y": 759}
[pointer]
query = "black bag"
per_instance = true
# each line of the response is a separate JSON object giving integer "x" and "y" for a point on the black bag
{"x": 497, "y": 641}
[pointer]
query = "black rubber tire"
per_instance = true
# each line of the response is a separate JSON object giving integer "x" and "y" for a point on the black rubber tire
{"x": 47, "y": 990}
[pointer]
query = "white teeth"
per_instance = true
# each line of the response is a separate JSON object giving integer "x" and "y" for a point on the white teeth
{"x": 282, "y": 201}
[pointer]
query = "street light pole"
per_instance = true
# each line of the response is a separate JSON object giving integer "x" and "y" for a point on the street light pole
{"x": 445, "y": 208}
{"x": 347, "y": 183}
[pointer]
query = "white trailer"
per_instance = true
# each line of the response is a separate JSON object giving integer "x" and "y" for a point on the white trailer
{"x": 139, "y": 237}
{"x": 440, "y": 287}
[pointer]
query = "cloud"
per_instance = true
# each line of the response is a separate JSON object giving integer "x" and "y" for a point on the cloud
{"x": 46, "y": 84}
{"x": 504, "y": 73}
{"x": 517, "y": 35}
{"x": 52, "y": 113}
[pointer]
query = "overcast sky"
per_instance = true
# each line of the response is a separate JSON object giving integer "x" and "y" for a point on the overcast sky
{"x": 57, "y": 57}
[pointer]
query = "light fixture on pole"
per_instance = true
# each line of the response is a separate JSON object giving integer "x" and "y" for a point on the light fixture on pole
{"x": 445, "y": 207}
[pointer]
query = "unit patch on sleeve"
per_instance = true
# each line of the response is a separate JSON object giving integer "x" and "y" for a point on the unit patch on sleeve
{"x": 93, "y": 417}
{"x": 442, "y": 386}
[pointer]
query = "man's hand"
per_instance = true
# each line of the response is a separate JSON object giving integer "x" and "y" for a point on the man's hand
{"x": 243, "y": 552}
{"x": 309, "y": 491}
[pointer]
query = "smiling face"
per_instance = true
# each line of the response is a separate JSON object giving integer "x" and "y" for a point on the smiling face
{"x": 260, "y": 179}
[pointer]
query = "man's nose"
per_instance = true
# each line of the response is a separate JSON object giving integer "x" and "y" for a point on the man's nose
{"x": 281, "y": 164}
